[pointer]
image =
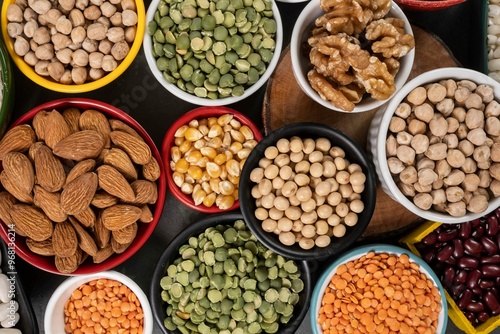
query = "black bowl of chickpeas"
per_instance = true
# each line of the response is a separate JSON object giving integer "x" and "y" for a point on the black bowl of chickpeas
{"x": 307, "y": 191}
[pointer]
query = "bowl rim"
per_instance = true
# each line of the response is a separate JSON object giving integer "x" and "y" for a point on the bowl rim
{"x": 269, "y": 239}
{"x": 358, "y": 252}
{"x": 299, "y": 29}
{"x": 425, "y": 5}
{"x": 46, "y": 263}
{"x": 76, "y": 281}
{"x": 168, "y": 139}
{"x": 196, "y": 229}
{"x": 7, "y": 74}
{"x": 187, "y": 97}
{"x": 29, "y": 71}
{"x": 424, "y": 78}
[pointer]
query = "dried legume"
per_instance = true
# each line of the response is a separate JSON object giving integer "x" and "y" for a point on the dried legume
{"x": 380, "y": 293}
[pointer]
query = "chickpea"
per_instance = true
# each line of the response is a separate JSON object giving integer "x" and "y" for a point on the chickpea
{"x": 306, "y": 243}
{"x": 287, "y": 238}
{"x": 339, "y": 230}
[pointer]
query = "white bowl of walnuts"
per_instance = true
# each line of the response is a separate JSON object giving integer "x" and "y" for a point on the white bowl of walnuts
{"x": 435, "y": 145}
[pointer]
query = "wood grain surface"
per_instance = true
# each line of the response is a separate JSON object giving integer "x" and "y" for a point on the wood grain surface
{"x": 285, "y": 103}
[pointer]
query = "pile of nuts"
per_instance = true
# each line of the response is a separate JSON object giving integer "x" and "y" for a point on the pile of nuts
{"x": 77, "y": 185}
{"x": 103, "y": 306}
{"x": 380, "y": 293}
{"x": 441, "y": 146}
{"x": 466, "y": 257}
{"x": 72, "y": 42}
{"x": 307, "y": 191}
{"x": 207, "y": 157}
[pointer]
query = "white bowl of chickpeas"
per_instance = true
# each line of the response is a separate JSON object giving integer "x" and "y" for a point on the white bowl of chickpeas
{"x": 434, "y": 145}
{"x": 108, "y": 301}
{"x": 307, "y": 191}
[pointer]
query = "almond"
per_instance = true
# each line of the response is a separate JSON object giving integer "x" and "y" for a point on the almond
{"x": 6, "y": 202}
{"x": 146, "y": 215}
{"x": 50, "y": 203}
{"x": 33, "y": 148}
{"x": 136, "y": 148}
{"x": 80, "y": 168}
{"x": 19, "y": 139}
{"x": 120, "y": 216}
{"x": 39, "y": 124}
{"x": 116, "y": 124}
{"x": 13, "y": 188}
{"x": 72, "y": 117}
{"x": 119, "y": 248}
{"x": 56, "y": 128}
{"x": 49, "y": 170}
{"x": 68, "y": 264}
{"x": 102, "y": 234}
{"x": 32, "y": 221}
{"x": 94, "y": 120}
{"x": 44, "y": 247}
{"x": 114, "y": 183}
{"x": 103, "y": 254}
{"x": 80, "y": 145}
{"x": 85, "y": 240}
{"x": 121, "y": 161}
{"x": 103, "y": 200}
{"x": 86, "y": 217}
{"x": 152, "y": 170}
{"x": 125, "y": 235}
{"x": 145, "y": 191}
{"x": 77, "y": 194}
{"x": 64, "y": 239}
{"x": 19, "y": 170}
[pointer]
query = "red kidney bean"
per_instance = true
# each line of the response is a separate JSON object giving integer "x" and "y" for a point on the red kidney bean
{"x": 449, "y": 276}
{"x": 483, "y": 316}
{"x": 428, "y": 255}
{"x": 468, "y": 262}
{"x": 477, "y": 291}
{"x": 498, "y": 240}
{"x": 472, "y": 247}
{"x": 451, "y": 261}
{"x": 491, "y": 301}
{"x": 465, "y": 230}
{"x": 490, "y": 270}
{"x": 471, "y": 317}
{"x": 457, "y": 290}
{"x": 486, "y": 284}
{"x": 476, "y": 222}
{"x": 445, "y": 253}
{"x": 490, "y": 259}
{"x": 447, "y": 236}
{"x": 458, "y": 248}
{"x": 465, "y": 299}
{"x": 430, "y": 239}
{"x": 492, "y": 226}
{"x": 473, "y": 278}
{"x": 478, "y": 232}
{"x": 489, "y": 246}
{"x": 475, "y": 307}
{"x": 461, "y": 277}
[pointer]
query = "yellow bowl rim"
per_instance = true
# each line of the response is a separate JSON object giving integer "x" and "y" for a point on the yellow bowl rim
{"x": 86, "y": 87}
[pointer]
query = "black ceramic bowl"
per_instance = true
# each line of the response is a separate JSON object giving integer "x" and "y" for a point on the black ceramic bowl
{"x": 354, "y": 154}
{"x": 172, "y": 252}
{"x": 7, "y": 87}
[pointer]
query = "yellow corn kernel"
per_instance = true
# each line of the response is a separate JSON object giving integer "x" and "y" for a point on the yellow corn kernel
{"x": 236, "y": 195}
{"x": 196, "y": 187}
{"x": 229, "y": 155}
{"x": 233, "y": 179}
{"x": 251, "y": 143}
{"x": 227, "y": 128}
{"x": 205, "y": 176}
{"x": 246, "y": 132}
{"x": 188, "y": 179}
{"x": 224, "y": 119}
{"x": 195, "y": 172}
{"x": 214, "y": 185}
{"x": 203, "y": 121}
{"x": 233, "y": 167}
{"x": 185, "y": 146}
{"x": 187, "y": 188}
{"x": 242, "y": 163}
{"x": 179, "y": 141}
{"x": 208, "y": 152}
{"x": 193, "y": 156}
{"x": 223, "y": 174}
{"x": 175, "y": 153}
{"x": 215, "y": 142}
{"x": 172, "y": 165}
{"x": 202, "y": 162}
{"x": 193, "y": 134}
{"x": 243, "y": 153}
{"x": 235, "y": 124}
{"x": 206, "y": 186}
{"x": 226, "y": 187}
{"x": 209, "y": 200}
{"x": 199, "y": 196}
{"x": 235, "y": 147}
{"x": 180, "y": 131}
{"x": 215, "y": 131}
{"x": 181, "y": 166}
{"x": 238, "y": 136}
{"x": 203, "y": 129}
{"x": 178, "y": 178}
{"x": 226, "y": 202}
{"x": 211, "y": 121}
{"x": 199, "y": 144}
{"x": 220, "y": 159}
{"x": 194, "y": 123}
{"x": 226, "y": 141}
{"x": 213, "y": 169}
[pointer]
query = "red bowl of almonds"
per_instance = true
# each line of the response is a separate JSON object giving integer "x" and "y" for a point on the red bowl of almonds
{"x": 204, "y": 151}
{"x": 82, "y": 186}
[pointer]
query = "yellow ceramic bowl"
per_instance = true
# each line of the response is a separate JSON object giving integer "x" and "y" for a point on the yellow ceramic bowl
{"x": 48, "y": 83}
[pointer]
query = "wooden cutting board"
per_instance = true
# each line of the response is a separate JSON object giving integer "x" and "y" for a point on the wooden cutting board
{"x": 285, "y": 103}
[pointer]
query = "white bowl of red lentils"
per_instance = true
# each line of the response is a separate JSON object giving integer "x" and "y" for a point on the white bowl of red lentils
{"x": 105, "y": 302}
{"x": 377, "y": 288}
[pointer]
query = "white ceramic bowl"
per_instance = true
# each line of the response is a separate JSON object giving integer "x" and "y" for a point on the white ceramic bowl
{"x": 301, "y": 63}
{"x": 191, "y": 98}
{"x": 356, "y": 253}
{"x": 378, "y": 132}
{"x": 54, "y": 313}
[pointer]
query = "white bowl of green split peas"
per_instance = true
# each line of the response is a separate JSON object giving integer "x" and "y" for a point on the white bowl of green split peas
{"x": 213, "y": 53}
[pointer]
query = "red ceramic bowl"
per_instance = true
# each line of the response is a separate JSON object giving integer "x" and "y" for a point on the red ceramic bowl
{"x": 199, "y": 113}
{"x": 145, "y": 229}
{"x": 426, "y": 5}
